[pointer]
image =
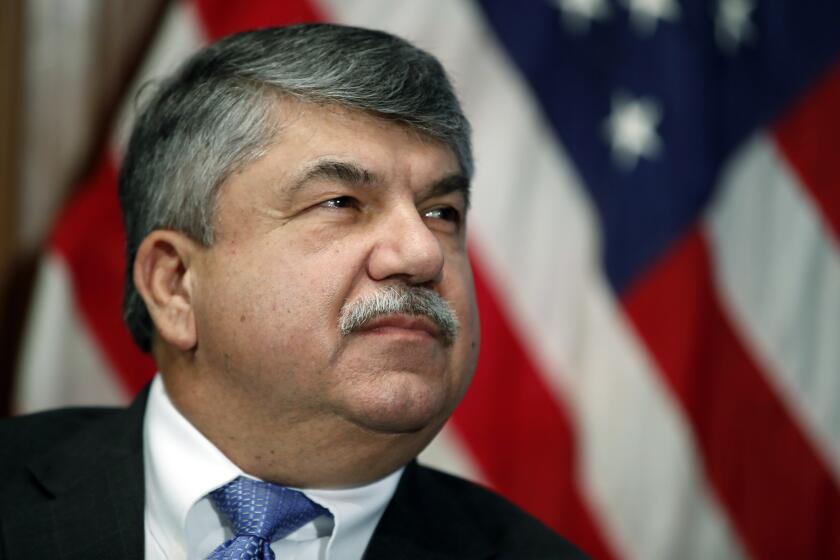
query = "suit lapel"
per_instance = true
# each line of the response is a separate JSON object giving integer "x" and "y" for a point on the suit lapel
{"x": 96, "y": 488}
{"x": 423, "y": 521}
{"x": 94, "y": 506}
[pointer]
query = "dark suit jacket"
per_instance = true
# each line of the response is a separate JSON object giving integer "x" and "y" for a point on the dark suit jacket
{"x": 71, "y": 486}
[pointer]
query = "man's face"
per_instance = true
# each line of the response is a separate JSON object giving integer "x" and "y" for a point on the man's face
{"x": 341, "y": 206}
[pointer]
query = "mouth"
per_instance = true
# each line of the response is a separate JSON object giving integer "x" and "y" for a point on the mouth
{"x": 411, "y": 325}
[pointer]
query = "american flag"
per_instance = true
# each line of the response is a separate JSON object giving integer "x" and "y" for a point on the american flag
{"x": 654, "y": 234}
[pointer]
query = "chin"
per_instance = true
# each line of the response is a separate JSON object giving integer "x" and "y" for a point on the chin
{"x": 407, "y": 408}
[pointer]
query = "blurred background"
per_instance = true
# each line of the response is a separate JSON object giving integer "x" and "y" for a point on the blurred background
{"x": 654, "y": 235}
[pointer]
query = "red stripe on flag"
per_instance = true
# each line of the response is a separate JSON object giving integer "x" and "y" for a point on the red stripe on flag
{"x": 781, "y": 497}
{"x": 223, "y": 17}
{"x": 521, "y": 436}
{"x": 89, "y": 236}
{"x": 95, "y": 255}
{"x": 809, "y": 137}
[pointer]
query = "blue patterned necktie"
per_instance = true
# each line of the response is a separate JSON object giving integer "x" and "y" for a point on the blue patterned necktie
{"x": 260, "y": 513}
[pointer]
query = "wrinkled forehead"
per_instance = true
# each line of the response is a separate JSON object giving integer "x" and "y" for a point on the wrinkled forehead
{"x": 285, "y": 110}
{"x": 353, "y": 145}
{"x": 325, "y": 143}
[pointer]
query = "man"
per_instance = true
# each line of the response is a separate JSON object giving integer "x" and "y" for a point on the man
{"x": 295, "y": 205}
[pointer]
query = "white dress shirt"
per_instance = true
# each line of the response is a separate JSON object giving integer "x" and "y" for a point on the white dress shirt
{"x": 182, "y": 466}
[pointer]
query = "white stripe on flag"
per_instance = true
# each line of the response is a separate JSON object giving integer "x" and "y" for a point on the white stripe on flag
{"x": 61, "y": 364}
{"x": 779, "y": 275}
{"x": 638, "y": 452}
{"x": 447, "y": 452}
{"x": 180, "y": 35}
{"x": 56, "y": 130}
{"x": 73, "y": 370}
{"x": 537, "y": 232}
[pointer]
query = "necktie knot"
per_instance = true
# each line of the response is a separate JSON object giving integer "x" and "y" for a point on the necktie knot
{"x": 260, "y": 512}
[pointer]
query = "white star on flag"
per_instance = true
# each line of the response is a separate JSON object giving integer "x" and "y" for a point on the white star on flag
{"x": 645, "y": 14}
{"x": 631, "y": 130}
{"x": 733, "y": 26}
{"x": 579, "y": 14}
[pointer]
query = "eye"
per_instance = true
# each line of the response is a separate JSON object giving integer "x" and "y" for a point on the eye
{"x": 340, "y": 202}
{"x": 445, "y": 213}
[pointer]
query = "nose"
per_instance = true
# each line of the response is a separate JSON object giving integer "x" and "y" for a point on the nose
{"x": 406, "y": 249}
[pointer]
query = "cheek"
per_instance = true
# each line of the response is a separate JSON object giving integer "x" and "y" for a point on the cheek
{"x": 274, "y": 306}
{"x": 470, "y": 338}
{"x": 460, "y": 290}
{"x": 462, "y": 297}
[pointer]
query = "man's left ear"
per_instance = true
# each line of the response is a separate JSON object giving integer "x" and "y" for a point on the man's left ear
{"x": 164, "y": 279}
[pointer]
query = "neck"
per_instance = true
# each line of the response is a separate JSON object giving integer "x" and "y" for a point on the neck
{"x": 306, "y": 449}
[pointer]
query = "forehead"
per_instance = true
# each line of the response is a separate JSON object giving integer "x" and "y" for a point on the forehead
{"x": 306, "y": 133}
{"x": 293, "y": 117}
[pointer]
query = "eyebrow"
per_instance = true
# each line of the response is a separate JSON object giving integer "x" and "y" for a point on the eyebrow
{"x": 341, "y": 171}
{"x": 355, "y": 175}
{"x": 457, "y": 182}
{"x": 334, "y": 170}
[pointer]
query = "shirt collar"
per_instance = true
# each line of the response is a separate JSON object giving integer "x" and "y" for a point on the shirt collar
{"x": 182, "y": 467}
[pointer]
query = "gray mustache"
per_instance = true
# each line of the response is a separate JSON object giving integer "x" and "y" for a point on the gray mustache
{"x": 400, "y": 299}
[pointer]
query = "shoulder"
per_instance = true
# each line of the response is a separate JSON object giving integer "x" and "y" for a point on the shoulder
{"x": 25, "y": 437}
{"x": 483, "y": 504}
{"x": 67, "y": 471}
{"x": 506, "y": 528}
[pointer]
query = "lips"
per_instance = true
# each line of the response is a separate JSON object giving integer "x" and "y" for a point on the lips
{"x": 409, "y": 323}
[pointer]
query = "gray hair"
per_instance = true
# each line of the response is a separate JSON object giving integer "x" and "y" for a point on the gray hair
{"x": 214, "y": 116}
{"x": 400, "y": 299}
